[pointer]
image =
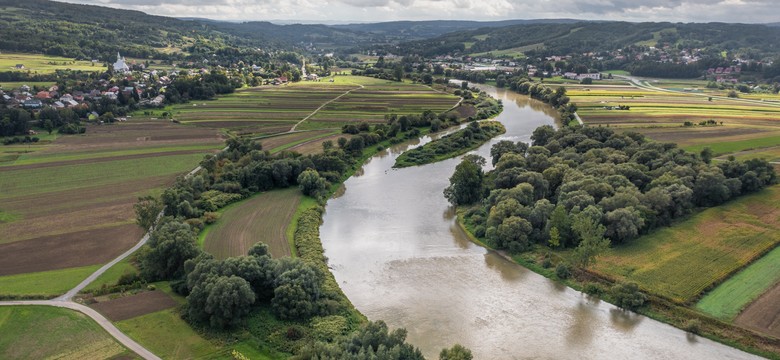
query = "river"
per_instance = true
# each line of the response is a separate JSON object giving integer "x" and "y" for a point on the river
{"x": 398, "y": 254}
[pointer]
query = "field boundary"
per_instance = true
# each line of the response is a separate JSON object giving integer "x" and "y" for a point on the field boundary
{"x": 323, "y": 105}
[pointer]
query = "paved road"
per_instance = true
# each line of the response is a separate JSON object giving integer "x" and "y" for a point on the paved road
{"x": 102, "y": 321}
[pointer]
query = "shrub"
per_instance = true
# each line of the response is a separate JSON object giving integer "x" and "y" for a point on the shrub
{"x": 693, "y": 326}
{"x": 563, "y": 271}
{"x": 627, "y": 296}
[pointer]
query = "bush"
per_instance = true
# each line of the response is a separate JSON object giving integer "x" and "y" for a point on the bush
{"x": 627, "y": 296}
{"x": 593, "y": 289}
{"x": 563, "y": 271}
{"x": 693, "y": 326}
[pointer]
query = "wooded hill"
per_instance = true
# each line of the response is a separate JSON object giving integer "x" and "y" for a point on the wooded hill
{"x": 570, "y": 38}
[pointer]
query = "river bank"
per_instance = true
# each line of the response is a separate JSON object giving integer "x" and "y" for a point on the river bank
{"x": 396, "y": 251}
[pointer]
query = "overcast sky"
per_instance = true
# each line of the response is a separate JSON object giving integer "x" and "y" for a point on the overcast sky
{"x": 345, "y": 11}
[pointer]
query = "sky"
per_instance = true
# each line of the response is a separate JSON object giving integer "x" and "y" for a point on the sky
{"x": 351, "y": 11}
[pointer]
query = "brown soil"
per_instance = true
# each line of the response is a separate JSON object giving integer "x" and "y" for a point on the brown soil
{"x": 82, "y": 248}
{"x": 763, "y": 315}
{"x": 683, "y": 135}
{"x": 132, "y": 306}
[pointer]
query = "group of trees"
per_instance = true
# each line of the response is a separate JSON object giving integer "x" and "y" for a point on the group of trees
{"x": 578, "y": 186}
{"x": 556, "y": 98}
{"x": 221, "y": 292}
{"x": 451, "y": 145}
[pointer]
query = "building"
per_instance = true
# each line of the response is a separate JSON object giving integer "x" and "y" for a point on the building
{"x": 120, "y": 65}
{"x": 19, "y": 66}
{"x": 32, "y": 104}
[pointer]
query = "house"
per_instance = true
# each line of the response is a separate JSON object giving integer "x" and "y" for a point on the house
{"x": 71, "y": 103}
{"x": 58, "y": 105}
{"x": 66, "y": 97}
{"x": 43, "y": 95}
{"x": 25, "y": 88}
{"x": 32, "y": 104}
{"x": 19, "y": 66}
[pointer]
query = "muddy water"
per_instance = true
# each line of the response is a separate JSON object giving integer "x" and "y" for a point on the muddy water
{"x": 398, "y": 254}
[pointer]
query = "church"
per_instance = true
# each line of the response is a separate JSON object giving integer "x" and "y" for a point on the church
{"x": 120, "y": 66}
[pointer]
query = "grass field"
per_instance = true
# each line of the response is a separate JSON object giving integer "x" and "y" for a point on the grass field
{"x": 728, "y": 299}
{"x": 111, "y": 275}
{"x": 46, "y": 283}
{"x": 38, "y": 63}
{"x": 43, "y": 332}
{"x": 166, "y": 335}
{"x": 720, "y": 148}
{"x": 262, "y": 218}
{"x": 682, "y": 261}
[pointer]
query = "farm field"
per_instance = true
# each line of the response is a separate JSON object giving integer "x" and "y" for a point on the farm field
{"x": 45, "y": 283}
{"x": 728, "y": 299}
{"x": 763, "y": 315}
{"x": 95, "y": 178}
{"x": 263, "y": 217}
{"x": 711, "y": 245}
{"x": 38, "y": 63}
{"x": 271, "y": 110}
{"x": 131, "y": 306}
{"x": 43, "y": 332}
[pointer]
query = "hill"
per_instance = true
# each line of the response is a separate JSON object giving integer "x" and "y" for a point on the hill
{"x": 580, "y": 37}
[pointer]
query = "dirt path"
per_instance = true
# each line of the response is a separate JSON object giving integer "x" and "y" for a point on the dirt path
{"x": 323, "y": 105}
{"x": 100, "y": 319}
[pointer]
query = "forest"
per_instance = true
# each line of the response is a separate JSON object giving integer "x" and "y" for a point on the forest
{"x": 581, "y": 180}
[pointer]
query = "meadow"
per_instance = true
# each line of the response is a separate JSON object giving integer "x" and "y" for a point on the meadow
{"x": 39, "y": 63}
{"x": 682, "y": 261}
{"x": 45, "y": 284}
{"x": 43, "y": 332}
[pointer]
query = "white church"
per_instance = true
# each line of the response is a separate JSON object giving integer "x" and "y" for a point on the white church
{"x": 120, "y": 66}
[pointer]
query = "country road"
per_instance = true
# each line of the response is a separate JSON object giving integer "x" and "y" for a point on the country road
{"x": 100, "y": 319}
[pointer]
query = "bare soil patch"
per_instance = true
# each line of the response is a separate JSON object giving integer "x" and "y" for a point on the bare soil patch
{"x": 132, "y": 306}
{"x": 75, "y": 249}
{"x": 763, "y": 315}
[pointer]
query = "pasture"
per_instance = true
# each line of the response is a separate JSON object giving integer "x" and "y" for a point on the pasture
{"x": 682, "y": 261}
{"x": 43, "y": 332}
{"x": 43, "y": 64}
{"x": 728, "y": 299}
{"x": 262, "y": 218}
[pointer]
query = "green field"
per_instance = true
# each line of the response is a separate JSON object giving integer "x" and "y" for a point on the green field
{"x": 110, "y": 277}
{"x": 166, "y": 335}
{"x": 728, "y": 299}
{"x": 46, "y": 283}
{"x": 263, "y": 218}
{"x": 683, "y": 261}
{"x": 72, "y": 177}
{"x": 44, "y": 332}
{"x": 720, "y": 148}
{"x": 52, "y": 157}
{"x": 38, "y": 63}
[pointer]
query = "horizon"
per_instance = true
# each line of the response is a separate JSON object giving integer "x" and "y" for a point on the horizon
{"x": 339, "y": 12}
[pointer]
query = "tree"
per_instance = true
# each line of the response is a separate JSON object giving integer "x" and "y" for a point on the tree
{"x": 48, "y": 125}
{"x": 146, "y": 211}
{"x": 457, "y": 352}
{"x": 221, "y": 300}
{"x": 706, "y": 154}
{"x": 542, "y": 135}
{"x": 592, "y": 240}
{"x": 170, "y": 245}
{"x": 312, "y": 184}
{"x": 465, "y": 184}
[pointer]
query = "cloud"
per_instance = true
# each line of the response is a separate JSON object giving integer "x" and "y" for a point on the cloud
{"x": 748, "y": 11}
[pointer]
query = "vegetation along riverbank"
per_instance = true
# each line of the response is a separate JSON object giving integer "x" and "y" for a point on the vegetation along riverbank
{"x": 556, "y": 206}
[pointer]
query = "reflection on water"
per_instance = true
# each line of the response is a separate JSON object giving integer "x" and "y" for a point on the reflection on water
{"x": 398, "y": 254}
